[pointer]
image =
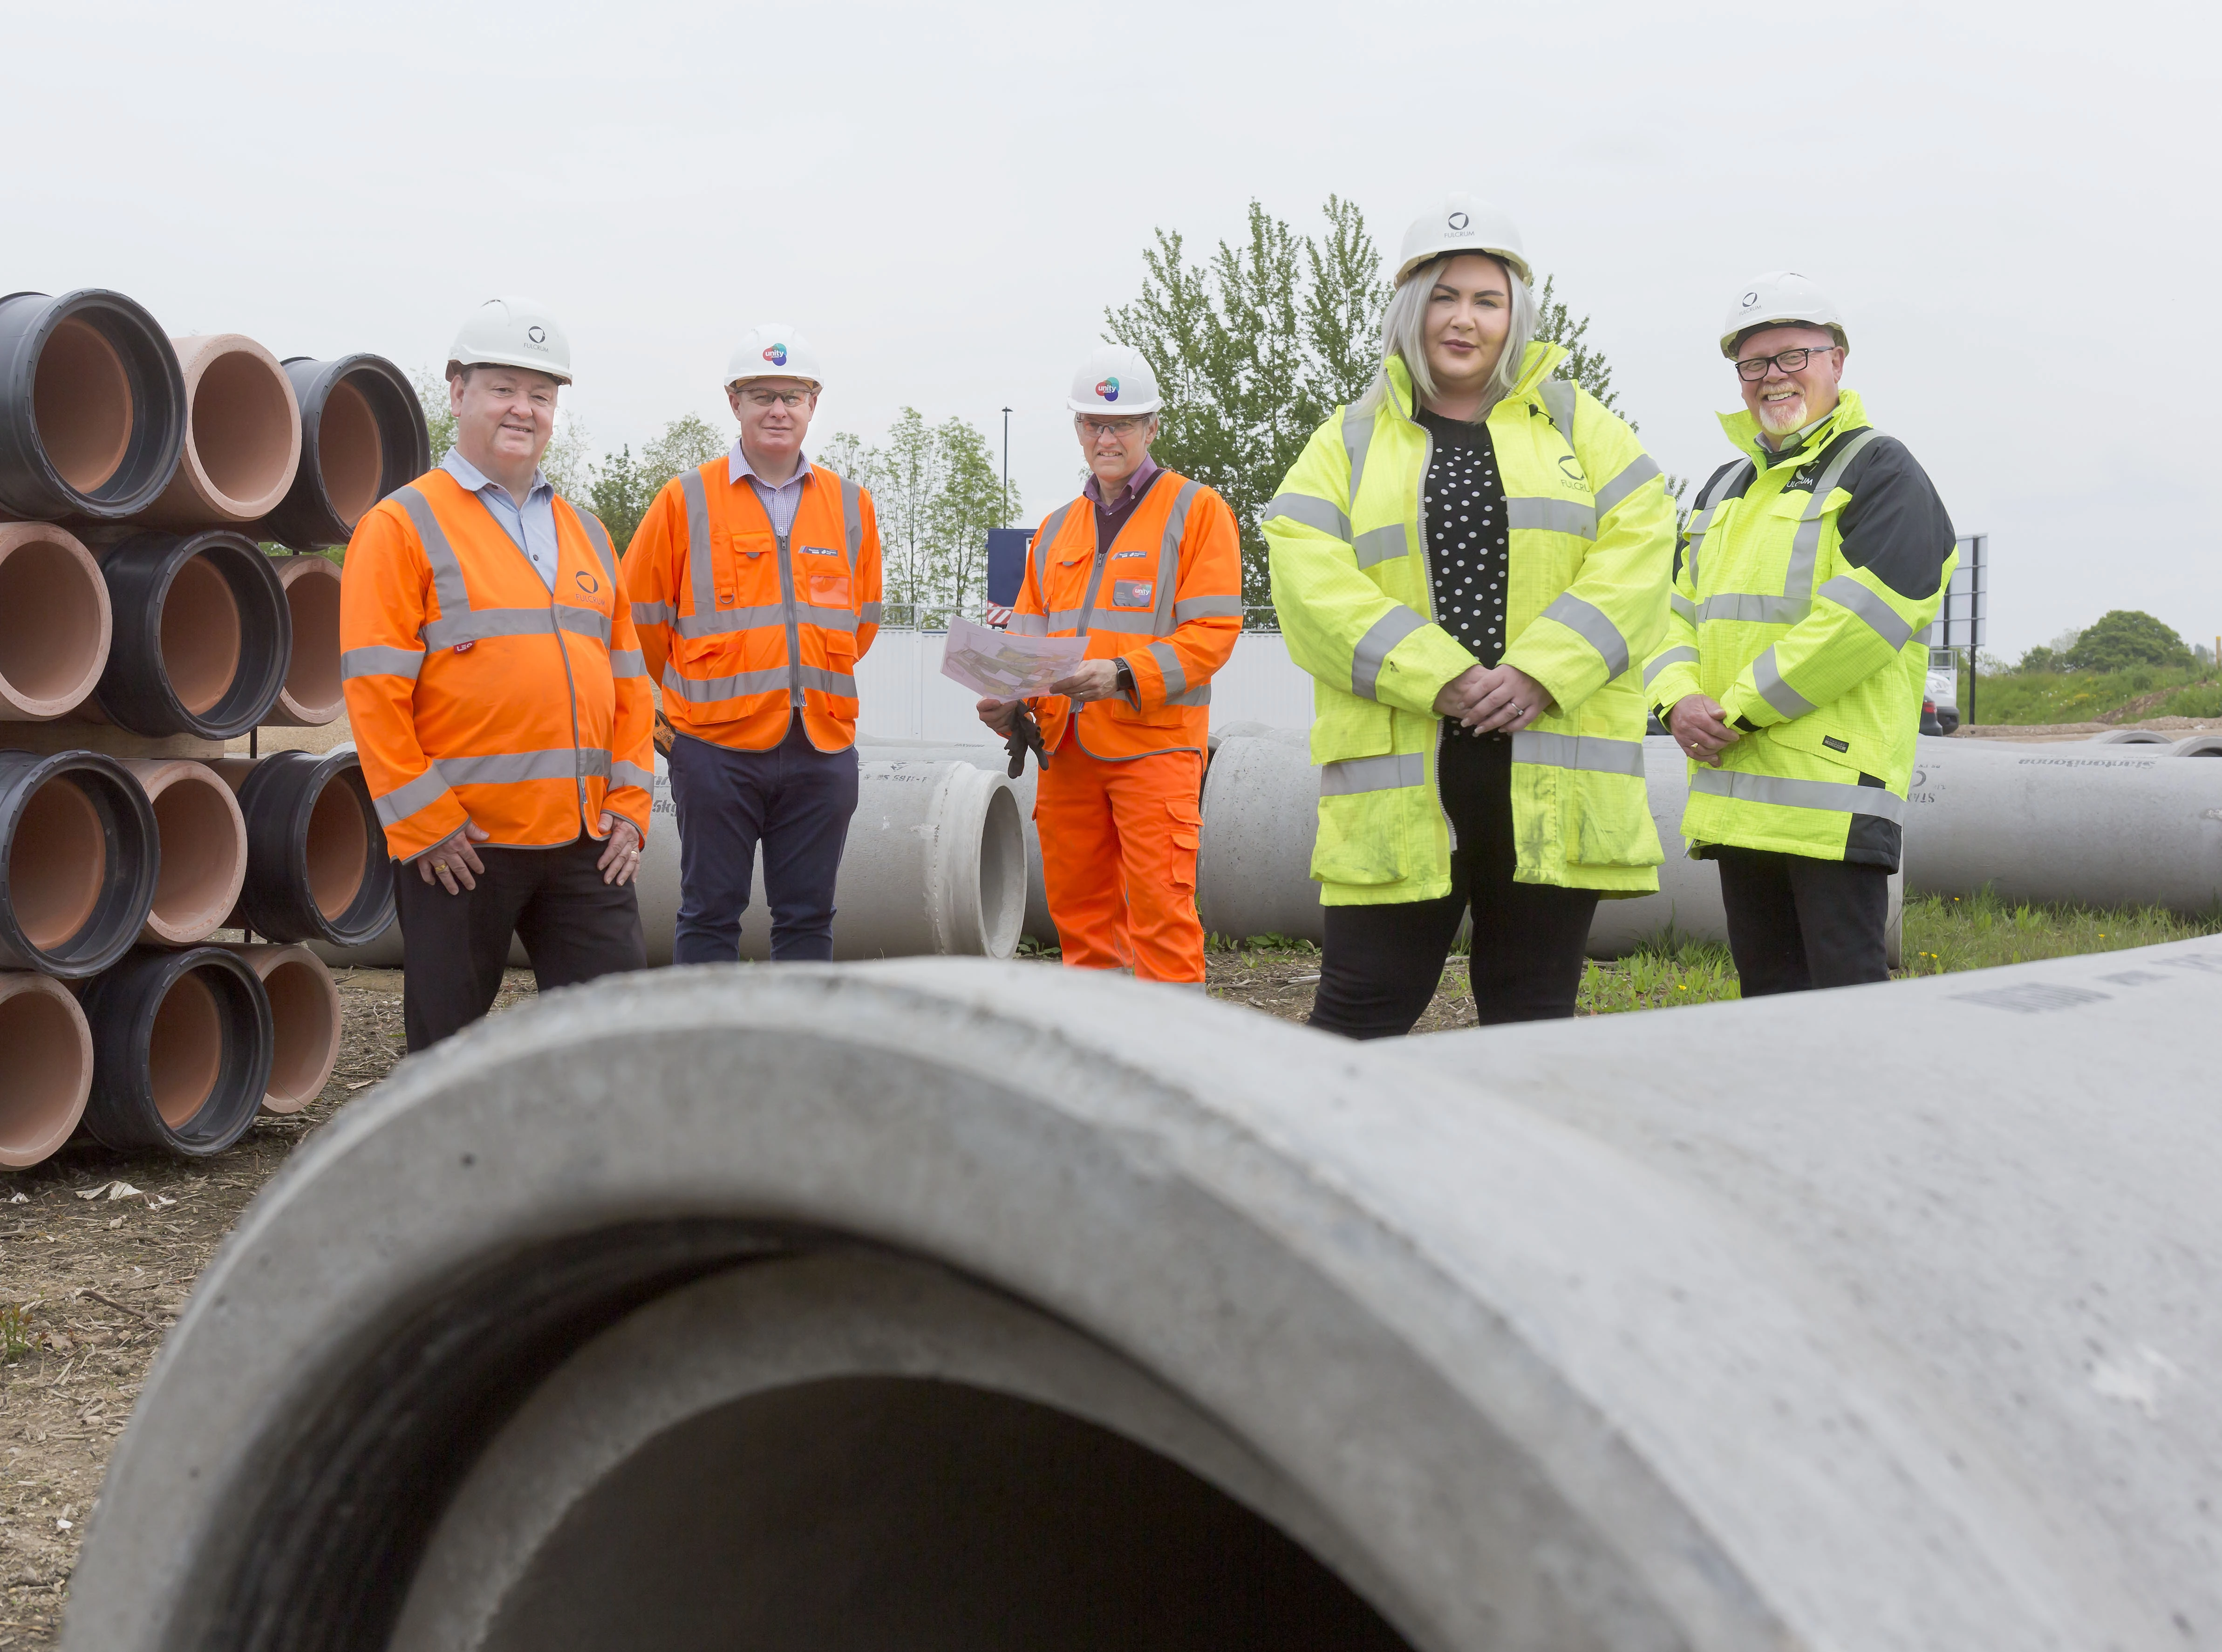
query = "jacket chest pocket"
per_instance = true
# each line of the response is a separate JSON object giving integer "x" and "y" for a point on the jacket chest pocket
{"x": 1133, "y": 593}
{"x": 1068, "y": 584}
{"x": 747, "y": 569}
{"x": 821, "y": 578}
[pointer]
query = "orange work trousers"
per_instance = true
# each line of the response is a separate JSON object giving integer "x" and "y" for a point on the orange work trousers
{"x": 1118, "y": 843}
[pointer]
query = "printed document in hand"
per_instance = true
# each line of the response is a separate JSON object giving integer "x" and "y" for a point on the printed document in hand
{"x": 998, "y": 666}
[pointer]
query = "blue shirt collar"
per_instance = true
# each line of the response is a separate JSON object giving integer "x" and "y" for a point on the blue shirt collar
{"x": 738, "y": 465}
{"x": 477, "y": 481}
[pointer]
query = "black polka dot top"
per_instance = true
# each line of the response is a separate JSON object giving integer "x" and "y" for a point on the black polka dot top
{"x": 1469, "y": 542}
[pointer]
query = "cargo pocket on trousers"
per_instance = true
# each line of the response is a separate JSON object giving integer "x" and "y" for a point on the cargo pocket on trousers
{"x": 1186, "y": 834}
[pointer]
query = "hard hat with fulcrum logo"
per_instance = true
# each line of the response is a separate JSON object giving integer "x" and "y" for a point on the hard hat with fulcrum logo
{"x": 1114, "y": 380}
{"x": 512, "y": 332}
{"x": 1780, "y": 298}
{"x": 1466, "y": 223}
{"x": 772, "y": 349}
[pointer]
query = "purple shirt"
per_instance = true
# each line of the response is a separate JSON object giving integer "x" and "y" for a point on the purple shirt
{"x": 1136, "y": 484}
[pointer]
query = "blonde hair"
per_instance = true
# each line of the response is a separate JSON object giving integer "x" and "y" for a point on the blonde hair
{"x": 1403, "y": 334}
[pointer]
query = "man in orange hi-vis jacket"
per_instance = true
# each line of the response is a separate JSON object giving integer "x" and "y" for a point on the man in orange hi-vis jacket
{"x": 498, "y": 695}
{"x": 755, "y": 585}
{"x": 1147, "y": 566}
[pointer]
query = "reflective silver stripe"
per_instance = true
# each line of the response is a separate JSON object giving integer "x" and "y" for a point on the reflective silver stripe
{"x": 448, "y": 587}
{"x": 719, "y": 622}
{"x": 1365, "y": 660}
{"x": 826, "y": 618}
{"x": 1309, "y": 510}
{"x": 1592, "y": 752}
{"x": 584, "y": 622}
{"x": 1029, "y": 625}
{"x": 1881, "y": 619}
{"x": 1131, "y": 621}
{"x": 1588, "y": 622}
{"x": 701, "y": 557}
{"x": 1672, "y": 656}
{"x": 515, "y": 768}
{"x": 1043, "y": 542}
{"x": 1357, "y": 436}
{"x": 868, "y": 613}
{"x": 826, "y": 682}
{"x": 598, "y": 538}
{"x": 1168, "y": 551}
{"x": 1197, "y": 696}
{"x": 1558, "y": 397}
{"x": 1552, "y": 515}
{"x": 627, "y": 663}
{"x": 1805, "y": 546}
{"x": 476, "y": 625}
{"x": 1063, "y": 619}
{"x": 1752, "y": 608}
{"x": 653, "y": 614}
{"x": 702, "y": 690}
{"x": 410, "y": 796}
{"x": 1640, "y": 470}
{"x": 381, "y": 662}
{"x": 1830, "y": 796}
{"x": 852, "y": 518}
{"x": 1169, "y": 664}
{"x": 1703, "y": 519}
{"x": 1379, "y": 544}
{"x": 625, "y": 774}
{"x": 1682, "y": 605}
{"x": 1383, "y": 773}
{"x": 1766, "y": 677}
{"x": 1188, "y": 608}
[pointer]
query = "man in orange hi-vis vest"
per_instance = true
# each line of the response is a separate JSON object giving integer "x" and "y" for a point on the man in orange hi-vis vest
{"x": 755, "y": 585}
{"x": 1147, "y": 566}
{"x": 497, "y": 696}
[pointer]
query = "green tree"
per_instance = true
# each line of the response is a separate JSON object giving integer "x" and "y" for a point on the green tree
{"x": 623, "y": 488}
{"x": 969, "y": 501}
{"x": 432, "y": 396}
{"x": 2124, "y": 638}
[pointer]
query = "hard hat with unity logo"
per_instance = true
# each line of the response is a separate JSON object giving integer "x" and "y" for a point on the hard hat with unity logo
{"x": 1114, "y": 380}
{"x": 772, "y": 350}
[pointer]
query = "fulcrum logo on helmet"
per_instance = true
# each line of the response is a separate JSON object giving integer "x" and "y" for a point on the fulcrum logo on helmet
{"x": 777, "y": 354}
{"x": 537, "y": 335}
{"x": 1749, "y": 299}
{"x": 1459, "y": 220}
{"x": 1108, "y": 388}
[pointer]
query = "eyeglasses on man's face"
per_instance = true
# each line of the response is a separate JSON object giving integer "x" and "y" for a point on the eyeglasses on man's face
{"x": 1120, "y": 428}
{"x": 766, "y": 398}
{"x": 1752, "y": 368}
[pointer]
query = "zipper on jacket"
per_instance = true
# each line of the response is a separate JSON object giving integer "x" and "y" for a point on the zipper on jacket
{"x": 1427, "y": 579}
{"x": 793, "y": 620}
{"x": 556, "y": 631}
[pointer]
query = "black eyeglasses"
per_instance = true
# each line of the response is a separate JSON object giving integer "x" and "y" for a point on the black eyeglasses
{"x": 1752, "y": 369}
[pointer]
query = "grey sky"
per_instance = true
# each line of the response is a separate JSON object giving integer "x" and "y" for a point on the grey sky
{"x": 2015, "y": 204}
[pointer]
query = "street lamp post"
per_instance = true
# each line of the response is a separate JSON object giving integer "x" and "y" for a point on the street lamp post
{"x": 1007, "y": 465}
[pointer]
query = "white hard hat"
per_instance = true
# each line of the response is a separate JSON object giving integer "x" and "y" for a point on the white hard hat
{"x": 1115, "y": 378}
{"x": 772, "y": 349}
{"x": 1779, "y": 299}
{"x": 1466, "y": 223}
{"x": 513, "y": 333}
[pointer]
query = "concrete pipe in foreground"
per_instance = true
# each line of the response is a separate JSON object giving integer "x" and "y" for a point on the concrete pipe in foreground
{"x": 949, "y": 1303}
{"x": 2101, "y": 824}
{"x": 1260, "y": 817}
{"x": 362, "y": 436}
{"x": 92, "y": 406}
{"x": 305, "y": 1021}
{"x": 201, "y": 838}
{"x": 313, "y": 695}
{"x": 78, "y": 858}
{"x": 242, "y": 436}
{"x": 55, "y": 622}
{"x": 47, "y": 1072}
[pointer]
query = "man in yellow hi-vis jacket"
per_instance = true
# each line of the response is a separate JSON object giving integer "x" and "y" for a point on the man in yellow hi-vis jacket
{"x": 1791, "y": 671}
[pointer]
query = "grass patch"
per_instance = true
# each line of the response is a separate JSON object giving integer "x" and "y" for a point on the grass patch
{"x": 1667, "y": 971}
{"x": 2024, "y": 697}
{"x": 15, "y": 1332}
{"x": 1948, "y": 932}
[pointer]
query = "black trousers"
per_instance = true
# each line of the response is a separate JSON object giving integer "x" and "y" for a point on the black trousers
{"x": 1384, "y": 962}
{"x": 574, "y": 925}
{"x": 796, "y": 800}
{"x": 1795, "y": 922}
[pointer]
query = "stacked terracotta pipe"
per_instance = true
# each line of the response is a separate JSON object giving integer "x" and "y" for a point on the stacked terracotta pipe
{"x": 144, "y": 481}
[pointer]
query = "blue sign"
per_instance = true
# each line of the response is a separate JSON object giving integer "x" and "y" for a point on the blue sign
{"x": 1007, "y": 564}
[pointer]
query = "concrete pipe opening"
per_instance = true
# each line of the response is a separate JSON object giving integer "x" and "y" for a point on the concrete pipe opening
{"x": 57, "y": 864}
{"x": 200, "y": 635}
{"x": 312, "y": 696}
{"x": 350, "y": 453}
{"x": 48, "y": 1071}
{"x": 55, "y": 622}
{"x": 304, "y": 1016}
{"x": 203, "y": 840}
{"x": 81, "y": 401}
{"x": 242, "y": 435}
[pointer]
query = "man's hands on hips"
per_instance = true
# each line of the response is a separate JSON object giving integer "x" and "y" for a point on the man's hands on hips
{"x": 452, "y": 860}
{"x": 1493, "y": 699}
{"x": 1090, "y": 679}
{"x": 621, "y": 858}
{"x": 1701, "y": 727}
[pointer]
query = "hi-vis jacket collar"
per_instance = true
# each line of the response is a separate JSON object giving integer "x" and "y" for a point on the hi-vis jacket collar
{"x": 1537, "y": 366}
{"x": 1850, "y": 414}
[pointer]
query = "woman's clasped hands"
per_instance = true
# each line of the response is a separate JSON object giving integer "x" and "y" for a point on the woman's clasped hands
{"x": 1493, "y": 700}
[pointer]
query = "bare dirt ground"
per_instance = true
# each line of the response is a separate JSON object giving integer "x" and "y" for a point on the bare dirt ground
{"x": 98, "y": 1252}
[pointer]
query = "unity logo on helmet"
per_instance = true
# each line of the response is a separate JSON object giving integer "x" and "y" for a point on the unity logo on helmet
{"x": 1108, "y": 388}
{"x": 777, "y": 354}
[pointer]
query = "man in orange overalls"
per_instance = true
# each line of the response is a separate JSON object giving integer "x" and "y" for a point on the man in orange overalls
{"x": 1147, "y": 566}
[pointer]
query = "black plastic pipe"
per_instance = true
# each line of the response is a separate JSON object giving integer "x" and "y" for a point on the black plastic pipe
{"x": 92, "y": 406}
{"x": 182, "y": 1044}
{"x": 203, "y": 634}
{"x": 362, "y": 436}
{"x": 79, "y": 853}
{"x": 317, "y": 865}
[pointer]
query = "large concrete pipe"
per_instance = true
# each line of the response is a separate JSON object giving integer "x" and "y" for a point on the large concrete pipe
{"x": 2129, "y": 737}
{"x": 362, "y": 436}
{"x": 1038, "y": 926}
{"x": 55, "y": 622}
{"x": 47, "y": 1072}
{"x": 313, "y": 695}
{"x": 2198, "y": 745}
{"x": 78, "y": 859}
{"x": 317, "y": 863}
{"x": 945, "y": 1302}
{"x": 181, "y": 1052}
{"x": 1261, "y": 816}
{"x": 242, "y": 436}
{"x": 92, "y": 406}
{"x": 203, "y": 634}
{"x": 2099, "y": 825}
{"x": 305, "y": 1023}
{"x": 201, "y": 838}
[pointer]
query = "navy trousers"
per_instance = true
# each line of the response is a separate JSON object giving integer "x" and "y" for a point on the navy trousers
{"x": 793, "y": 799}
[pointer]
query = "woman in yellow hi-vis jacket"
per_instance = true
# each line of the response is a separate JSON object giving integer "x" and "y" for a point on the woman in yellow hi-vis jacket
{"x": 1472, "y": 562}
